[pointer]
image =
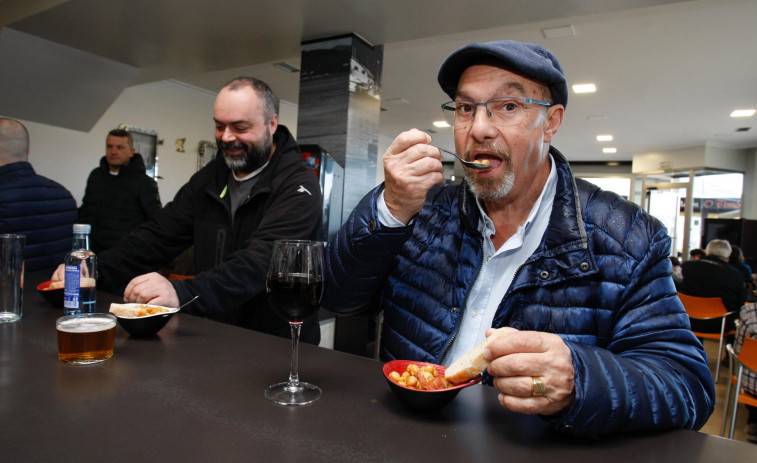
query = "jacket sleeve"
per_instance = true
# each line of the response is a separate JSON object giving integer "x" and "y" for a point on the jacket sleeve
{"x": 149, "y": 199}
{"x": 653, "y": 374}
{"x": 358, "y": 258}
{"x": 290, "y": 214}
{"x": 85, "y": 213}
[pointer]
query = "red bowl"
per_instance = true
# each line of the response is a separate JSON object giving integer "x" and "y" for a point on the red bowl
{"x": 422, "y": 400}
{"x": 53, "y": 296}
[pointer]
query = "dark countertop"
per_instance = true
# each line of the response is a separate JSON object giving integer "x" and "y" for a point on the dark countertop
{"x": 194, "y": 392}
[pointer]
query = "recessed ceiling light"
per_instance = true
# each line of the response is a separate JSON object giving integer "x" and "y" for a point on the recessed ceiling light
{"x": 604, "y": 137}
{"x": 584, "y": 88}
{"x": 441, "y": 124}
{"x": 609, "y": 150}
{"x": 743, "y": 113}
{"x": 558, "y": 32}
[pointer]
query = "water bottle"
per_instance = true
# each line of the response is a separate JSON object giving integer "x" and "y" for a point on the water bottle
{"x": 79, "y": 292}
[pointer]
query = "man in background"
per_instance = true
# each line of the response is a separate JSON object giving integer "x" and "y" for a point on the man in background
{"x": 713, "y": 276}
{"x": 120, "y": 195}
{"x": 32, "y": 205}
{"x": 748, "y": 328}
{"x": 696, "y": 254}
{"x": 257, "y": 189}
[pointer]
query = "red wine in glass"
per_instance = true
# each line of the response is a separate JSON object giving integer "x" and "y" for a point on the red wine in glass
{"x": 295, "y": 296}
{"x": 294, "y": 284}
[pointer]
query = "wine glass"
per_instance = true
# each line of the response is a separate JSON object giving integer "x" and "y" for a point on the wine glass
{"x": 294, "y": 285}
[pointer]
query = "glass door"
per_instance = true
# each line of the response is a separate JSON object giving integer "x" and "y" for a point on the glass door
{"x": 668, "y": 203}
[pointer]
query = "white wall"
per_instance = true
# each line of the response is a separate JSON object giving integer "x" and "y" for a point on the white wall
{"x": 172, "y": 109}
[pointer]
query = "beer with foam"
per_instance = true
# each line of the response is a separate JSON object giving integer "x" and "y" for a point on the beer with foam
{"x": 86, "y": 337}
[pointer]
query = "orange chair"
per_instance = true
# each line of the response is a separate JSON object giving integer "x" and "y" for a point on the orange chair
{"x": 708, "y": 308}
{"x": 747, "y": 358}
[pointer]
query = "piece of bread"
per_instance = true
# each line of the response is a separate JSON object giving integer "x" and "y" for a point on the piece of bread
{"x": 124, "y": 310}
{"x": 472, "y": 363}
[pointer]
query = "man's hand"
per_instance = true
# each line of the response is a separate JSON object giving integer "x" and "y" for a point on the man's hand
{"x": 151, "y": 288}
{"x": 521, "y": 355}
{"x": 411, "y": 168}
{"x": 59, "y": 273}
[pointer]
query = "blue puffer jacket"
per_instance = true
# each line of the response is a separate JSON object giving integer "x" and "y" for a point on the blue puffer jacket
{"x": 600, "y": 279}
{"x": 42, "y": 210}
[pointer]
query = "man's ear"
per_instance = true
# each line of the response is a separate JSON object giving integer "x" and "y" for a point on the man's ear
{"x": 553, "y": 121}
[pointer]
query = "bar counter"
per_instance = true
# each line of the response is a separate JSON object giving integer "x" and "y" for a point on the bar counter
{"x": 194, "y": 392}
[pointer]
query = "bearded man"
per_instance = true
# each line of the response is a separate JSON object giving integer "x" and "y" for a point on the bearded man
{"x": 257, "y": 189}
{"x": 596, "y": 340}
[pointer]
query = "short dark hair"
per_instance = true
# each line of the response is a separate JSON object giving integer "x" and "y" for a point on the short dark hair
{"x": 696, "y": 252}
{"x": 270, "y": 102}
{"x": 122, "y": 133}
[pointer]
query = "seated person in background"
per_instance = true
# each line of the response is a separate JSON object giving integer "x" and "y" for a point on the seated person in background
{"x": 120, "y": 195}
{"x": 32, "y": 205}
{"x": 257, "y": 190}
{"x": 597, "y": 341}
{"x": 676, "y": 274}
{"x": 696, "y": 254}
{"x": 748, "y": 328}
{"x": 736, "y": 259}
{"x": 712, "y": 276}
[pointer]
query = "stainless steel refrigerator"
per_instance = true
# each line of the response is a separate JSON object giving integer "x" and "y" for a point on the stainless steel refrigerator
{"x": 331, "y": 176}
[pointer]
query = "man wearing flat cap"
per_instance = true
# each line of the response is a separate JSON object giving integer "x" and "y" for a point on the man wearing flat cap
{"x": 596, "y": 342}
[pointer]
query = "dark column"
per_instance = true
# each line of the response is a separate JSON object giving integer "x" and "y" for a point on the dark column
{"x": 339, "y": 108}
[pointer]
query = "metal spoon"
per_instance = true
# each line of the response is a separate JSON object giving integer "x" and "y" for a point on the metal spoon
{"x": 470, "y": 164}
{"x": 187, "y": 303}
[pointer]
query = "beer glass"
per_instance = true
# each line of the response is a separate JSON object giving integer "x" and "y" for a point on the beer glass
{"x": 86, "y": 337}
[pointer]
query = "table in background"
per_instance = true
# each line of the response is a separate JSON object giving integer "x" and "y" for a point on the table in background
{"x": 195, "y": 393}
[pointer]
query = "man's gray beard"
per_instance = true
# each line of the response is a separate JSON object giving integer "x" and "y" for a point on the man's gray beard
{"x": 487, "y": 189}
{"x": 491, "y": 189}
{"x": 253, "y": 159}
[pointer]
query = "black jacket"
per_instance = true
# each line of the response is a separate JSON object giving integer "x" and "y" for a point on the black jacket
{"x": 231, "y": 258}
{"x": 42, "y": 210}
{"x": 713, "y": 277}
{"x": 116, "y": 204}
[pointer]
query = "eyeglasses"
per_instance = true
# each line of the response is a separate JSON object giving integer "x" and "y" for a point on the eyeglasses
{"x": 504, "y": 110}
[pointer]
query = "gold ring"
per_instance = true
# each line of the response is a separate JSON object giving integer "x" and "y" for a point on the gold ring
{"x": 537, "y": 386}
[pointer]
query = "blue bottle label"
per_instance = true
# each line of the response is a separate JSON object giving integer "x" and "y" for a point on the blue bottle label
{"x": 71, "y": 290}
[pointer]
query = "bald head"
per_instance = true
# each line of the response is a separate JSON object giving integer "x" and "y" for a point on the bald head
{"x": 14, "y": 141}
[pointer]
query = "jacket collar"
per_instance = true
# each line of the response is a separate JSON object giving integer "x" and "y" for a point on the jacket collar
{"x": 565, "y": 241}
{"x": 17, "y": 168}
{"x": 285, "y": 143}
{"x": 136, "y": 165}
{"x": 566, "y": 209}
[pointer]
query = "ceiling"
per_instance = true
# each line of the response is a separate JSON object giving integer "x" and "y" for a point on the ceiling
{"x": 668, "y": 73}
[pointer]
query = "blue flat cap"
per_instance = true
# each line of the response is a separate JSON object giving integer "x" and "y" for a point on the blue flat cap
{"x": 527, "y": 59}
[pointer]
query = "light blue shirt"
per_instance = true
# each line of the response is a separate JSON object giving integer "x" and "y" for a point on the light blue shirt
{"x": 499, "y": 266}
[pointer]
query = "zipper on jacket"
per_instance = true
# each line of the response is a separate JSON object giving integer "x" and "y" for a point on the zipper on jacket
{"x": 465, "y": 302}
{"x": 220, "y": 245}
